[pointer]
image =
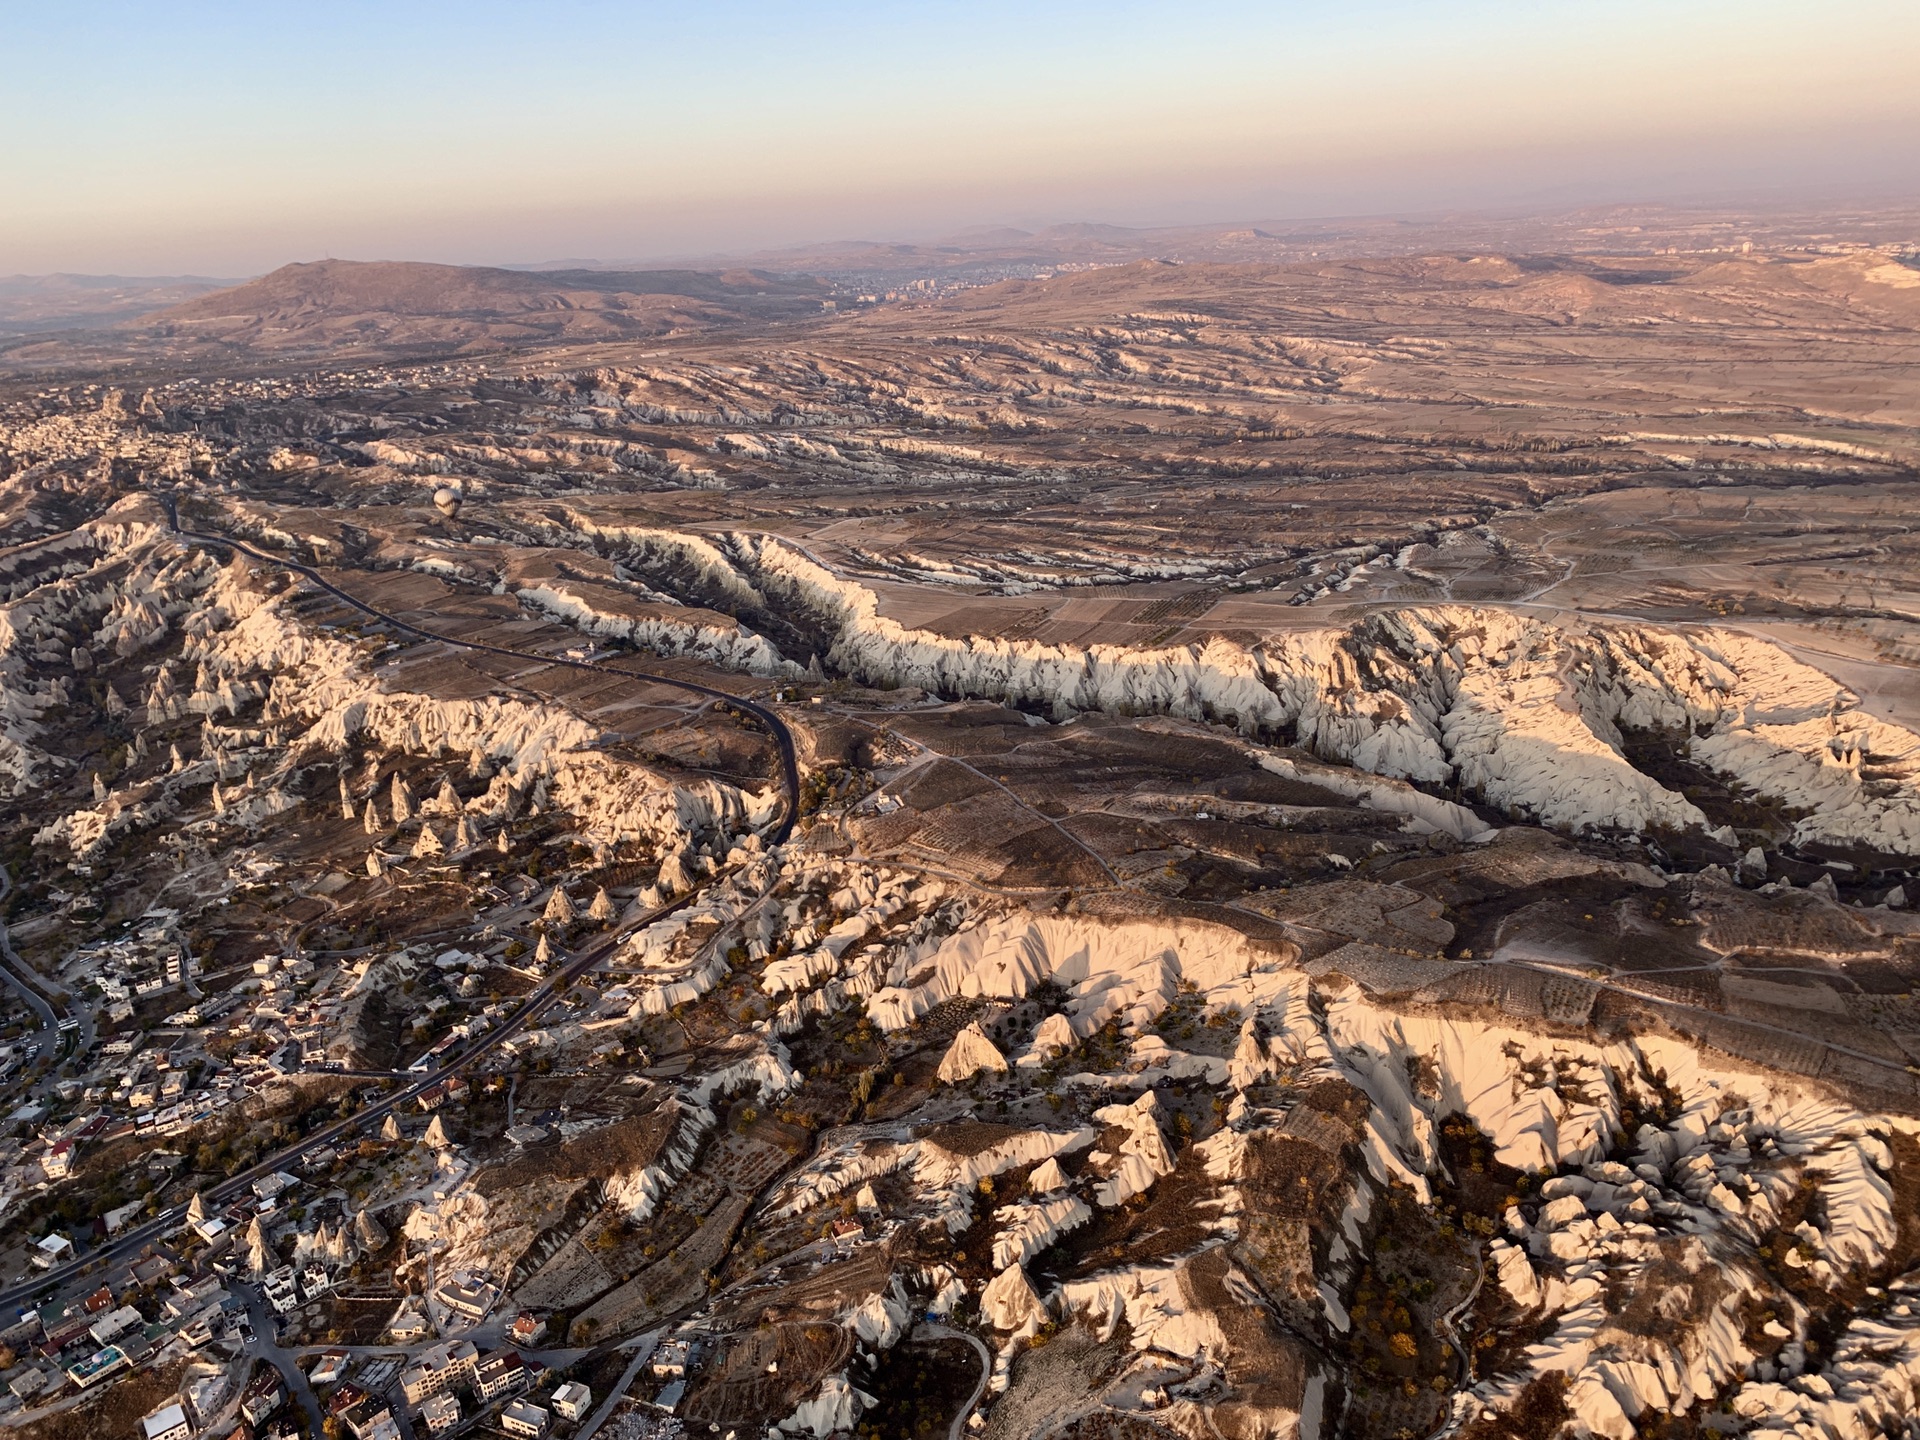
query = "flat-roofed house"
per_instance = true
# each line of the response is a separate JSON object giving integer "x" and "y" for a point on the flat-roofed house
{"x": 169, "y": 1422}
{"x": 522, "y": 1417}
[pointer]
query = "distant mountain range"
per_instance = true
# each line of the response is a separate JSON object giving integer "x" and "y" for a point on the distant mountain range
{"x": 395, "y": 309}
{"x": 1006, "y": 251}
{"x": 348, "y": 310}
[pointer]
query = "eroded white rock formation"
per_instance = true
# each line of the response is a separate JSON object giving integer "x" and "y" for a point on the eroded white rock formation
{"x": 970, "y": 1053}
{"x": 1525, "y": 711}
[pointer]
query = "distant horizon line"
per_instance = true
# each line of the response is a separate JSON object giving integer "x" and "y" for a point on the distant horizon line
{"x": 1274, "y": 228}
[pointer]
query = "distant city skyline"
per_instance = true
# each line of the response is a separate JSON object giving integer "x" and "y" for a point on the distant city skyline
{"x": 225, "y": 139}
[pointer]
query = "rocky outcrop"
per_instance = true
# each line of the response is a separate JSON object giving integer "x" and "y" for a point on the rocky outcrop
{"x": 714, "y": 638}
{"x": 1009, "y": 1303}
{"x": 970, "y": 1053}
{"x": 834, "y": 1410}
{"x": 1524, "y": 712}
{"x": 1125, "y": 971}
{"x": 1023, "y": 1230}
{"x": 246, "y": 644}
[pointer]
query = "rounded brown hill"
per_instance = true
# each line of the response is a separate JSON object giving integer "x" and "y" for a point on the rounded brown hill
{"x": 405, "y": 304}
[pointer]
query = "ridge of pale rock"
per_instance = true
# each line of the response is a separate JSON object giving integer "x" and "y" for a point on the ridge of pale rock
{"x": 1524, "y": 711}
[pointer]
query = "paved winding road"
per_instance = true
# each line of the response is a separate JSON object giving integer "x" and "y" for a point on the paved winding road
{"x": 529, "y": 1010}
{"x": 775, "y": 727}
{"x": 938, "y": 1331}
{"x": 12, "y": 972}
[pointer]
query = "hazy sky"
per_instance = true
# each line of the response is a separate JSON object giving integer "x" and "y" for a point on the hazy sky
{"x": 229, "y": 138}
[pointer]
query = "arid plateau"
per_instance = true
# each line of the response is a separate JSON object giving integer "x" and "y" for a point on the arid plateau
{"x": 1261, "y": 847}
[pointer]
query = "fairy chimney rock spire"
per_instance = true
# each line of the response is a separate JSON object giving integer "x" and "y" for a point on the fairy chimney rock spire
{"x": 970, "y": 1053}
{"x": 260, "y": 1257}
{"x": 367, "y": 1233}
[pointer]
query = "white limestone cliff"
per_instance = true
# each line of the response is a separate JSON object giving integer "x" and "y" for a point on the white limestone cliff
{"x": 1024, "y": 1229}
{"x": 1525, "y": 711}
{"x": 733, "y": 648}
